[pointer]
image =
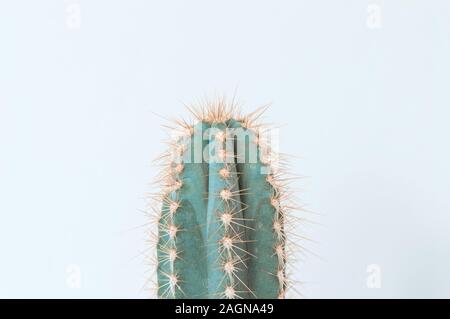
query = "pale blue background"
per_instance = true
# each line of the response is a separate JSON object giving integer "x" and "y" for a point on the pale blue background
{"x": 366, "y": 110}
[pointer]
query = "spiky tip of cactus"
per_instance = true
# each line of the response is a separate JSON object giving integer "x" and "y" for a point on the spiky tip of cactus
{"x": 221, "y": 223}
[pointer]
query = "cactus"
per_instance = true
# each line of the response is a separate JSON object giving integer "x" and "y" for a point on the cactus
{"x": 221, "y": 223}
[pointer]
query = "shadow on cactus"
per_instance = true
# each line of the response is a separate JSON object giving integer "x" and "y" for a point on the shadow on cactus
{"x": 223, "y": 209}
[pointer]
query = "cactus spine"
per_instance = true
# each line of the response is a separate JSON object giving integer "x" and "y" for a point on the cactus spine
{"x": 221, "y": 229}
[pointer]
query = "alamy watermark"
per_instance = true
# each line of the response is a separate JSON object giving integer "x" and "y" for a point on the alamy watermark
{"x": 374, "y": 17}
{"x": 73, "y": 276}
{"x": 228, "y": 145}
{"x": 373, "y": 280}
{"x": 73, "y": 15}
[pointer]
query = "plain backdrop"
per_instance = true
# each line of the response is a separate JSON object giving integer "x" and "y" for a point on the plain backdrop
{"x": 359, "y": 88}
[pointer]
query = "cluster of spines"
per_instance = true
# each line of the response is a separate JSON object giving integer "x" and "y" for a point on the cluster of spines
{"x": 230, "y": 261}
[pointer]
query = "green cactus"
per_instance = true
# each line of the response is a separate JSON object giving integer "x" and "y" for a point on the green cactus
{"x": 221, "y": 225}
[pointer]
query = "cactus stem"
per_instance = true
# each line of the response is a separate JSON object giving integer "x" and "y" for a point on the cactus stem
{"x": 223, "y": 208}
